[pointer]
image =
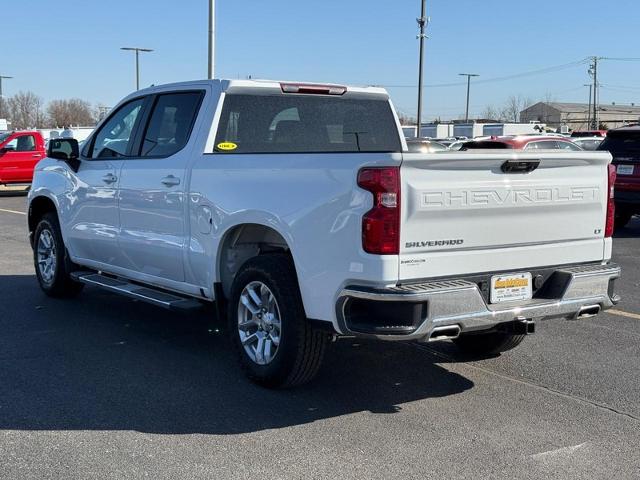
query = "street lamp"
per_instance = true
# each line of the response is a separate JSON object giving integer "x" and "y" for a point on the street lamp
{"x": 422, "y": 24}
{"x": 2, "y": 77}
{"x": 468, "y": 75}
{"x": 212, "y": 39}
{"x": 137, "y": 50}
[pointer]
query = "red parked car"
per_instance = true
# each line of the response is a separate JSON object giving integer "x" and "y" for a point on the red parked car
{"x": 19, "y": 153}
{"x": 624, "y": 146}
{"x": 523, "y": 142}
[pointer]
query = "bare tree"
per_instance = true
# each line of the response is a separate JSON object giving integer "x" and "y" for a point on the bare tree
{"x": 25, "y": 110}
{"x": 514, "y": 105}
{"x": 406, "y": 119}
{"x": 73, "y": 111}
{"x": 490, "y": 113}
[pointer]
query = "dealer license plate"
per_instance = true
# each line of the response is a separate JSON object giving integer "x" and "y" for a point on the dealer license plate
{"x": 508, "y": 288}
{"x": 624, "y": 170}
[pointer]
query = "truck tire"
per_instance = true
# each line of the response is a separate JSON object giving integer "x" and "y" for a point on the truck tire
{"x": 276, "y": 345}
{"x": 51, "y": 261}
{"x": 490, "y": 343}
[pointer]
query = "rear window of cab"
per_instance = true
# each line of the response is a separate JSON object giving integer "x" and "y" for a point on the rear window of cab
{"x": 305, "y": 124}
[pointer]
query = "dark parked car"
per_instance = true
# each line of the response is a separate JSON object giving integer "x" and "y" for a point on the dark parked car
{"x": 624, "y": 145}
{"x": 522, "y": 142}
{"x": 588, "y": 133}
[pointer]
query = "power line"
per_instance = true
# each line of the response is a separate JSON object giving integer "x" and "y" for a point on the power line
{"x": 541, "y": 71}
{"x": 621, "y": 59}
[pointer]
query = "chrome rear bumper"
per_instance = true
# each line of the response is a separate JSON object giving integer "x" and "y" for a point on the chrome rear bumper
{"x": 437, "y": 304}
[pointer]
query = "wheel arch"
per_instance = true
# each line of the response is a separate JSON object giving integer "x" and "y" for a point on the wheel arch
{"x": 38, "y": 207}
{"x": 242, "y": 242}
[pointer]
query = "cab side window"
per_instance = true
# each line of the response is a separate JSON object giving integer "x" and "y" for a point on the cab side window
{"x": 115, "y": 136}
{"x": 170, "y": 123}
{"x": 25, "y": 143}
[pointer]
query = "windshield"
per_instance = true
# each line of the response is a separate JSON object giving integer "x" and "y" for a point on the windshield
{"x": 306, "y": 124}
{"x": 4, "y": 136}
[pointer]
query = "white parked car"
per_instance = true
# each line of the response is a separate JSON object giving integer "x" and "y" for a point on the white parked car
{"x": 588, "y": 143}
{"x": 298, "y": 210}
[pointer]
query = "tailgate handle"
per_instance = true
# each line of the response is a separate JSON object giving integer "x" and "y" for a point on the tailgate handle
{"x": 520, "y": 166}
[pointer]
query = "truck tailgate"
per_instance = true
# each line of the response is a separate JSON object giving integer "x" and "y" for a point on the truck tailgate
{"x": 462, "y": 213}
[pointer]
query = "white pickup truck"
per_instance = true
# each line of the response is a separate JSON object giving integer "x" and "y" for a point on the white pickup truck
{"x": 298, "y": 211}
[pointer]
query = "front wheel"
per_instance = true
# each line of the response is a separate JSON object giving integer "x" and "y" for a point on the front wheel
{"x": 276, "y": 344}
{"x": 53, "y": 267}
{"x": 490, "y": 343}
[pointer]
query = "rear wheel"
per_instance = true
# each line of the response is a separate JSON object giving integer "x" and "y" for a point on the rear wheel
{"x": 490, "y": 343}
{"x": 51, "y": 261}
{"x": 276, "y": 345}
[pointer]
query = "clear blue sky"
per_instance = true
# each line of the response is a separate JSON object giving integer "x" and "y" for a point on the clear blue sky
{"x": 72, "y": 49}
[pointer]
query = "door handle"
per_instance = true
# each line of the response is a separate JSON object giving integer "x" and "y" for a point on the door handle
{"x": 36, "y": 155}
{"x": 170, "y": 181}
{"x": 109, "y": 178}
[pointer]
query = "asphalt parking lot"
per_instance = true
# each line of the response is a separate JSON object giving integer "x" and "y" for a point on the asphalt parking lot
{"x": 105, "y": 387}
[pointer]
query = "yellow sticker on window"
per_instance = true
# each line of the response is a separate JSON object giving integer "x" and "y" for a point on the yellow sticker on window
{"x": 227, "y": 146}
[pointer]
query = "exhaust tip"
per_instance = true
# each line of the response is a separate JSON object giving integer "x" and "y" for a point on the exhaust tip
{"x": 588, "y": 311}
{"x": 449, "y": 332}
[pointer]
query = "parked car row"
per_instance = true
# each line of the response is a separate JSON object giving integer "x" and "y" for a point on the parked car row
{"x": 622, "y": 143}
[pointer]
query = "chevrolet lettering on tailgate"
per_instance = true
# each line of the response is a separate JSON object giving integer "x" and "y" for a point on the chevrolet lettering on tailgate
{"x": 509, "y": 197}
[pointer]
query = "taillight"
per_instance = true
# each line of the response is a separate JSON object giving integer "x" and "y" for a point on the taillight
{"x": 611, "y": 205}
{"x": 381, "y": 224}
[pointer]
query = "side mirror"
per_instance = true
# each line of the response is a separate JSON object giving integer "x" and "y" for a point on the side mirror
{"x": 4, "y": 150}
{"x": 65, "y": 149}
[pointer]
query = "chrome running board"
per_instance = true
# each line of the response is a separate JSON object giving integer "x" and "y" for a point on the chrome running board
{"x": 147, "y": 294}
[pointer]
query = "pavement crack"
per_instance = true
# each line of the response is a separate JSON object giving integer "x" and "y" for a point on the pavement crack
{"x": 530, "y": 383}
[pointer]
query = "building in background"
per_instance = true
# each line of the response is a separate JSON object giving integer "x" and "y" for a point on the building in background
{"x": 575, "y": 116}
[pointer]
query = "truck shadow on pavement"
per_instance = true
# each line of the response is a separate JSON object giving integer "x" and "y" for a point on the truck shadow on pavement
{"x": 103, "y": 362}
{"x": 632, "y": 230}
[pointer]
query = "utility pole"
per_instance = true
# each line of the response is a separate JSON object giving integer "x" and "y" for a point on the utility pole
{"x": 2, "y": 77}
{"x": 212, "y": 39}
{"x": 593, "y": 71}
{"x": 588, "y": 122}
{"x": 468, "y": 75}
{"x": 137, "y": 50}
{"x": 422, "y": 23}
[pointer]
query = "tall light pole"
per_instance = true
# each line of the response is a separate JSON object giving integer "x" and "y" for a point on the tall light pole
{"x": 212, "y": 39}
{"x": 137, "y": 50}
{"x": 2, "y": 77}
{"x": 422, "y": 23}
{"x": 468, "y": 75}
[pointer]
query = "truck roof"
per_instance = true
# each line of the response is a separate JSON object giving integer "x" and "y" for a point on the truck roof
{"x": 229, "y": 84}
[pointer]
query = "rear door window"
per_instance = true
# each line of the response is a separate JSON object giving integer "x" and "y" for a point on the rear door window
{"x": 170, "y": 123}
{"x": 305, "y": 124}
